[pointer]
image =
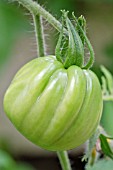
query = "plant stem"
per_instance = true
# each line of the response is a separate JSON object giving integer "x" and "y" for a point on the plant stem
{"x": 92, "y": 157}
{"x": 64, "y": 160}
{"x": 35, "y": 9}
{"x": 39, "y": 35}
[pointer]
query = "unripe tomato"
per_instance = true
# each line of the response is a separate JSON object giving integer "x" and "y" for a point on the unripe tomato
{"x": 54, "y": 107}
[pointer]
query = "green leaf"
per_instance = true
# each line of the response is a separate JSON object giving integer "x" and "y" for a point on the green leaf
{"x": 6, "y": 162}
{"x": 107, "y": 117}
{"x": 102, "y": 165}
{"x": 107, "y": 84}
{"x": 105, "y": 146}
{"x": 109, "y": 79}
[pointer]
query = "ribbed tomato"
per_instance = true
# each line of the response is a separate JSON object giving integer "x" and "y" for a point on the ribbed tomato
{"x": 54, "y": 107}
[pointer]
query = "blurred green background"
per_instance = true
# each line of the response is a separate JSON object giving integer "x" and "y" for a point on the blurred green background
{"x": 18, "y": 46}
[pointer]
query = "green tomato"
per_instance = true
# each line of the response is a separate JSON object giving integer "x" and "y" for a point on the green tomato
{"x": 54, "y": 107}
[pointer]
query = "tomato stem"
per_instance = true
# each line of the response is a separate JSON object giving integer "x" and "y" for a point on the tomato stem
{"x": 39, "y": 35}
{"x": 91, "y": 159}
{"x": 64, "y": 160}
{"x": 35, "y": 9}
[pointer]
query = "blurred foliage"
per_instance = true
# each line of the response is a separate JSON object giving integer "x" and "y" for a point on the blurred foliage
{"x": 109, "y": 49}
{"x": 71, "y": 5}
{"x": 97, "y": 1}
{"x": 102, "y": 165}
{"x": 107, "y": 84}
{"x": 107, "y": 89}
{"x": 55, "y": 6}
{"x": 5, "y": 145}
{"x": 12, "y": 23}
{"x": 107, "y": 117}
{"x": 7, "y": 163}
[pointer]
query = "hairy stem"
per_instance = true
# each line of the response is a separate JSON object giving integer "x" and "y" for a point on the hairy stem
{"x": 35, "y": 9}
{"x": 64, "y": 160}
{"x": 92, "y": 157}
{"x": 39, "y": 35}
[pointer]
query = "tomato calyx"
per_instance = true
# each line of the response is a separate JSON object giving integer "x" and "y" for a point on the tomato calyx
{"x": 70, "y": 49}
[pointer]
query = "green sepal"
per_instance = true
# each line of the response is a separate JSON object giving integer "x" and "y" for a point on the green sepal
{"x": 75, "y": 53}
{"x": 90, "y": 62}
{"x": 69, "y": 50}
{"x": 62, "y": 45}
{"x": 82, "y": 23}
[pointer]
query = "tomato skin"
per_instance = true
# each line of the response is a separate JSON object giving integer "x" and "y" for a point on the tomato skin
{"x": 54, "y": 107}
